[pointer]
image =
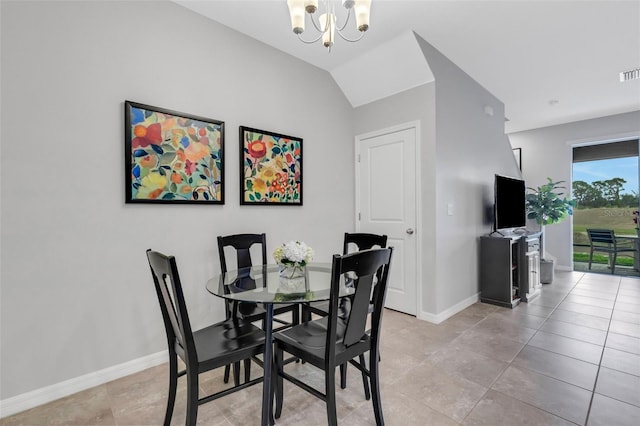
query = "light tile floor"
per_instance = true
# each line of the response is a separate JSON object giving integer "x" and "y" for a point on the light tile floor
{"x": 572, "y": 356}
{"x": 600, "y": 268}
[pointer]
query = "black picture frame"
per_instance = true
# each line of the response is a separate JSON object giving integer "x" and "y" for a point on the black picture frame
{"x": 172, "y": 157}
{"x": 517, "y": 152}
{"x": 270, "y": 168}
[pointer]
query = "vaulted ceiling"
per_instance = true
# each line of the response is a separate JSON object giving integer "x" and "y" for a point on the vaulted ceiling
{"x": 550, "y": 62}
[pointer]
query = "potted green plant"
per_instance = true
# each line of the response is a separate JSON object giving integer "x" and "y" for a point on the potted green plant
{"x": 547, "y": 204}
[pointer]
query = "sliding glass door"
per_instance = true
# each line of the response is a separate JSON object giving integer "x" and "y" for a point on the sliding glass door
{"x": 605, "y": 187}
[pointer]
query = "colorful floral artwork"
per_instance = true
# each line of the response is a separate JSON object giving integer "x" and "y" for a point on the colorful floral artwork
{"x": 271, "y": 168}
{"x": 173, "y": 157}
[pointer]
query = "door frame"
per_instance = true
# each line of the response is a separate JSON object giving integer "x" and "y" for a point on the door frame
{"x": 415, "y": 125}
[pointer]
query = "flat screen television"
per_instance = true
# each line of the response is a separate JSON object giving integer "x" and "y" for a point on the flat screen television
{"x": 509, "y": 207}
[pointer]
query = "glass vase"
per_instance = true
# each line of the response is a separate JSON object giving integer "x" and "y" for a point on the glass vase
{"x": 291, "y": 270}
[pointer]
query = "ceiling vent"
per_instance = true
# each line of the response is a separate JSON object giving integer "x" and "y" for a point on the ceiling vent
{"x": 630, "y": 75}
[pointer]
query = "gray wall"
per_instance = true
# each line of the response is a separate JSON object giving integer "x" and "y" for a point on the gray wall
{"x": 462, "y": 148}
{"x": 546, "y": 152}
{"x": 76, "y": 291}
{"x": 470, "y": 149}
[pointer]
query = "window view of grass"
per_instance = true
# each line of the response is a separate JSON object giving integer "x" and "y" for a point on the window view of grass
{"x": 620, "y": 219}
{"x": 610, "y": 203}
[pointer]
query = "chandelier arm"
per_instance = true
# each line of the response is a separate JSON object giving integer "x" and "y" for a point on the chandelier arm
{"x": 317, "y": 26}
{"x": 330, "y": 14}
{"x": 346, "y": 21}
{"x": 309, "y": 41}
{"x": 351, "y": 40}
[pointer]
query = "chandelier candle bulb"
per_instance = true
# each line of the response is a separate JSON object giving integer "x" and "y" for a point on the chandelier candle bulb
{"x": 296, "y": 10}
{"x": 311, "y": 6}
{"x": 328, "y": 25}
{"x": 362, "y": 14}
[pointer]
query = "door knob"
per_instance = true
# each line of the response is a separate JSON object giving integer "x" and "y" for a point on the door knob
{"x": 410, "y": 231}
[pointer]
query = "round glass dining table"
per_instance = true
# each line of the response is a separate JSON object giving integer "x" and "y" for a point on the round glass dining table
{"x": 263, "y": 284}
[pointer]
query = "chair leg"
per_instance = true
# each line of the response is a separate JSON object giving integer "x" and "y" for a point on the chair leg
{"x": 305, "y": 315}
{"x": 173, "y": 384}
{"x": 295, "y": 316}
{"x": 247, "y": 370}
{"x": 375, "y": 386}
{"x": 343, "y": 375}
{"x": 306, "y": 312}
{"x": 613, "y": 262}
{"x": 192, "y": 398}
{"x": 330, "y": 392}
{"x": 278, "y": 381}
{"x": 236, "y": 373}
{"x": 227, "y": 370}
{"x": 590, "y": 257}
{"x": 365, "y": 380}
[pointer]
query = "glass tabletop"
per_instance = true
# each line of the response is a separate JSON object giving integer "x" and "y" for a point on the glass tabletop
{"x": 263, "y": 284}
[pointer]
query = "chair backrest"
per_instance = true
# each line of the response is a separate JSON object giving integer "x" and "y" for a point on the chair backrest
{"x": 363, "y": 241}
{"x": 242, "y": 244}
{"x": 606, "y": 236}
{"x": 172, "y": 304}
{"x": 362, "y": 267}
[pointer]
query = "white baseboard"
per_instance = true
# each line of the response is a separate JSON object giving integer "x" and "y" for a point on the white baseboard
{"x": 47, "y": 394}
{"x": 460, "y": 306}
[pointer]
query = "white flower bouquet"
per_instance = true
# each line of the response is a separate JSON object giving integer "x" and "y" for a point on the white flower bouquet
{"x": 292, "y": 258}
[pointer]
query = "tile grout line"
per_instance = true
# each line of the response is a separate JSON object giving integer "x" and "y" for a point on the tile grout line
{"x": 525, "y": 345}
{"x": 548, "y": 317}
{"x": 595, "y": 383}
{"x": 489, "y": 388}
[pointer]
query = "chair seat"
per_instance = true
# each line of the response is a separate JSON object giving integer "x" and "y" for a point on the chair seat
{"x": 309, "y": 338}
{"x": 321, "y": 308}
{"x": 614, "y": 250}
{"x": 222, "y": 343}
{"x": 251, "y": 312}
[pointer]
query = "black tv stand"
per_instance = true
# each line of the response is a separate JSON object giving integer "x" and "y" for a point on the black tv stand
{"x": 508, "y": 232}
{"x": 510, "y": 268}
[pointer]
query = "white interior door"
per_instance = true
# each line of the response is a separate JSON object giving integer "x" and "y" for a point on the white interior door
{"x": 386, "y": 204}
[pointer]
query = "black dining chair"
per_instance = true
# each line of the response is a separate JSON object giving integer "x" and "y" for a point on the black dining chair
{"x": 333, "y": 340}
{"x": 605, "y": 240}
{"x": 352, "y": 242}
{"x": 218, "y": 345}
{"x": 249, "y": 311}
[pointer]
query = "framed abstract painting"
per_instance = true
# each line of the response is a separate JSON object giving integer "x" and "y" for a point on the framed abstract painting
{"x": 172, "y": 157}
{"x": 270, "y": 168}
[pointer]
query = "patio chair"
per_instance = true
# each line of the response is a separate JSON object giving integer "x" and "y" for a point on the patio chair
{"x": 605, "y": 240}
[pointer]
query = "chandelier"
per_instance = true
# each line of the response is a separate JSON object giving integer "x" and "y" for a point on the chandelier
{"x": 326, "y": 23}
